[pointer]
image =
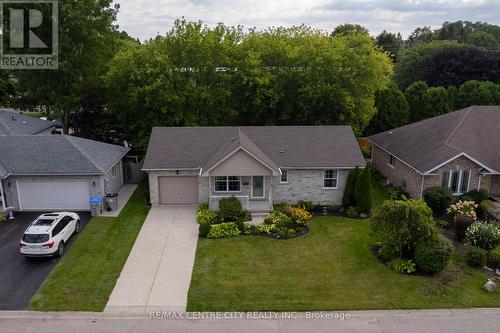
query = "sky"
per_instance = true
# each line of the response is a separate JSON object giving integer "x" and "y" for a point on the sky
{"x": 146, "y": 18}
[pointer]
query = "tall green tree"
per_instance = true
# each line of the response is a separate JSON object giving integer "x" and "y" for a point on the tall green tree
{"x": 390, "y": 42}
{"x": 417, "y": 98}
{"x": 87, "y": 40}
{"x": 478, "y": 93}
{"x": 349, "y": 196}
{"x": 362, "y": 191}
{"x": 437, "y": 101}
{"x": 348, "y": 29}
{"x": 392, "y": 110}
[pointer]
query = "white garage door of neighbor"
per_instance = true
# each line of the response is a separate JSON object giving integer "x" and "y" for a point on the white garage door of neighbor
{"x": 178, "y": 190}
{"x": 56, "y": 195}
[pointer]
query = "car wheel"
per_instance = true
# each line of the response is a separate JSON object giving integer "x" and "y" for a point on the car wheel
{"x": 77, "y": 226}
{"x": 60, "y": 249}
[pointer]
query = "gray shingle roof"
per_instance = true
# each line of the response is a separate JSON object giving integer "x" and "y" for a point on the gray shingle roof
{"x": 277, "y": 146}
{"x": 426, "y": 144}
{"x": 22, "y": 124}
{"x": 56, "y": 155}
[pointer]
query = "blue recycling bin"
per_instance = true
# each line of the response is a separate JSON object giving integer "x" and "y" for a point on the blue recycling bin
{"x": 95, "y": 206}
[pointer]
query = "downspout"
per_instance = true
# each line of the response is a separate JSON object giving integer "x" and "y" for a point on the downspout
{"x": 2, "y": 196}
{"x": 422, "y": 188}
{"x": 479, "y": 181}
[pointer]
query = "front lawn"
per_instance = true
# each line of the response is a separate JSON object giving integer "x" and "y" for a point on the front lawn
{"x": 330, "y": 268}
{"x": 87, "y": 273}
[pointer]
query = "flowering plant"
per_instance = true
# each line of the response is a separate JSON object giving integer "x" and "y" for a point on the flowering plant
{"x": 467, "y": 208}
{"x": 485, "y": 235}
{"x": 300, "y": 216}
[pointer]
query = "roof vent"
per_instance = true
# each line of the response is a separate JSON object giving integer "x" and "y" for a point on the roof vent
{"x": 13, "y": 118}
{"x": 282, "y": 152}
{"x": 390, "y": 132}
{"x": 24, "y": 123}
{"x": 233, "y": 139}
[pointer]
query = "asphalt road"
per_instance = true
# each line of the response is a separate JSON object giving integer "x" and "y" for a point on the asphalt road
{"x": 20, "y": 277}
{"x": 413, "y": 321}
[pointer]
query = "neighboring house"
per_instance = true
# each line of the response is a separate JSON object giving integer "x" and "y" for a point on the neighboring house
{"x": 57, "y": 172}
{"x": 459, "y": 150}
{"x": 14, "y": 123}
{"x": 259, "y": 165}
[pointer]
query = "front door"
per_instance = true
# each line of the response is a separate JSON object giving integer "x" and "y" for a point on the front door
{"x": 257, "y": 186}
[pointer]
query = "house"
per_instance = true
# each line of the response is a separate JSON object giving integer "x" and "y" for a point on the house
{"x": 459, "y": 150}
{"x": 57, "y": 172}
{"x": 260, "y": 165}
{"x": 15, "y": 123}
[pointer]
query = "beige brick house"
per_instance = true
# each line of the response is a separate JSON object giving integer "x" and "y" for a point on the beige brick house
{"x": 459, "y": 150}
{"x": 259, "y": 165}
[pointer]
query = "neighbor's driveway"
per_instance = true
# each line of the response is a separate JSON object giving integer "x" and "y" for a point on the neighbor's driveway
{"x": 158, "y": 270}
{"x": 21, "y": 277}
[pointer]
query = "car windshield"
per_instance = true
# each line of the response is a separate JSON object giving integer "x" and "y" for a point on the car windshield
{"x": 44, "y": 222}
{"x": 36, "y": 238}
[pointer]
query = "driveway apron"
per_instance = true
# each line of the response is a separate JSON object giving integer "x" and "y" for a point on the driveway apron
{"x": 158, "y": 270}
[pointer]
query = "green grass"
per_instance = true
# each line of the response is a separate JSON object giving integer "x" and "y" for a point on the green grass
{"x": 34, "y": 114}
{"x": 331, "y": 268}
{"x": 378, "y": 193}
{"x": 87, "y": 273}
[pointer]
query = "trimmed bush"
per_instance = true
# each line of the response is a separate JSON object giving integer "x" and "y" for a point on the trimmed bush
{"x": 223, "y": 230}
{"x": 462, "y": 222}
{"x": 202, "y": 206}
{"x": 403, "y": 223}
{"x": 204, "y": 229}
{"x": 433, "y": 256}
{"x": 475, "y": 256}
{"x": 230, "y": 208}
{"x": 206, "y": 216}
{"x": 307, "y": 205}
{"x": 493, "y": 258}
{"x": 483, "y": 235}
{"x": 388, "y": 253}
{"x": 362, "y": 192}
{"x": 476, "y": 196}
{"x": 349, "y": 198}
{"x": 438, "y": 199}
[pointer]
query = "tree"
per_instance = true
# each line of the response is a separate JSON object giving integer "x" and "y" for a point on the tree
{"x": 417, "y": 97}
{"x": 390, "y": 42}
{"x": 349, "y": 29}
{"x": 483, "y": 40}
{"x": 456, "y": 65}
{"x": 392, "y": 110}
{"x": 478, "y": 93}
{"x": 87, "y": 41}
{"x": 404, "y": 225}
{"x": 420, "y": 36}
{"x": 437, "y": 101}
{"x": 362, "y": 191}
{"x": 349, "y": 197}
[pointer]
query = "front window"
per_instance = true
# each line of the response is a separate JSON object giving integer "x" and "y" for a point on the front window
{"x": 456, "y": 180}
{"x": 284, "y": 176}
{"x": 227, "y": 184}
{"x": 330, "y": 179}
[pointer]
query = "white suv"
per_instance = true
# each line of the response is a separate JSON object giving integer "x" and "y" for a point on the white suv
{"x": 47, "y": 235}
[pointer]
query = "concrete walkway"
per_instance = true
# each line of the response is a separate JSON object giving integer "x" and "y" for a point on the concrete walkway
{"x": 393, "y": 321}
{"x": 158, "y": 270}
{"x": 123, "y": 196}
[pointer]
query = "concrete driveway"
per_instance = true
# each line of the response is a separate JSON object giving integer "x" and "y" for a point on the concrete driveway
{"x": 158, "y": 270}
{"x": 21, "y": 277}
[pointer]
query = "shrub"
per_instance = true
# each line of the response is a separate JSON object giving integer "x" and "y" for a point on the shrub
{"x": 467, "y": 208}
{"x": 351, "y": 212}
{"x": 223, "y": 230}
{"x": 366, "y": 151}
{"x": 396, "y": 193}
{"x": 400, "y": 265}
{"x": 307, "y": 205}
{"x": 475, "y": 195}
{"x": 204, "y": 229}
{"x": 279, "y": 206}
{"x": 279, "y": 232}
{"x": 483, "y": 235}
{"x": 278, "y": 218}
{"x": 442, "y": 223}
{"x": 438, "y": 199}
{"x": 433, "y": 256}
{"x": 362, "y": 192}
{"x": 249, "y": 229}
{"x": 333, "y": 208}
{"x": 264, "y": 228}
{"x": 230, "y": 208}
{"x": 291, "y": 233}
{"x": 300, "y": 216}
{"x": 462, "y": 222}
{"x": 202, "y": 206}
{"x": 475, "y": 257}
{"x": 205, "y": 216}
{"x": 317, "y": 208}
{"x": 493, "y": 258}
{"x": 388, "y": 252}
{"x": 349, "y": 198}
{"x": 485, "y": 210}
{"x": 403, "y": 223}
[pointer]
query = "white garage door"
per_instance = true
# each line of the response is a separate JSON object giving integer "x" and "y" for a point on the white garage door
{"x": 56, "y": 195}
{"x": 178, "y": 190}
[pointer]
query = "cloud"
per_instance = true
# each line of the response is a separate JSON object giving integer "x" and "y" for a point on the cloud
{"x": 146, "y": 18}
